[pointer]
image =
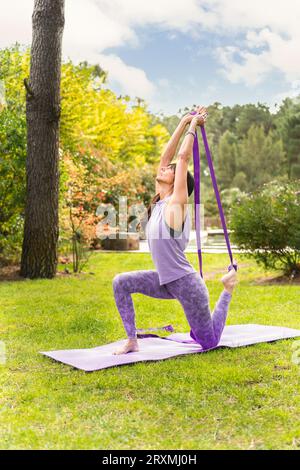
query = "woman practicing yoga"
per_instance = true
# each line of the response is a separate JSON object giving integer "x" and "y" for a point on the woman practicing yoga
{"x": 167, "y": 232}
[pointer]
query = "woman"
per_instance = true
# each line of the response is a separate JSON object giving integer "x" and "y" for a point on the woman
{"x": 168, "y": 231}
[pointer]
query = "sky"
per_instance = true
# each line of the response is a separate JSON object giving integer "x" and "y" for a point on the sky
{"x": 175, "y": 53}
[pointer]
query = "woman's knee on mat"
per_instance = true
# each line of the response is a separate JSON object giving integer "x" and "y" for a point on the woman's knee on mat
{"x": 206, "y": 342}
{"x": 212, "y": 343}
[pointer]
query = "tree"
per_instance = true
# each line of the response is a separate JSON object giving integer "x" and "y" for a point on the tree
{"x": 39, "y": 251}
{"x": 288, "y": 121}
{"x": 226, "y": 162}
{"x": 260, "y": 157}
{"x": 252, "y": 114}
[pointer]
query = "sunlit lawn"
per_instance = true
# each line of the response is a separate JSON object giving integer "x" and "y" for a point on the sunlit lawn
{"x": 225, "y": 399}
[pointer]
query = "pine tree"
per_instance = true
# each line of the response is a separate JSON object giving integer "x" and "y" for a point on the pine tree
{"x": 39, "y": 251}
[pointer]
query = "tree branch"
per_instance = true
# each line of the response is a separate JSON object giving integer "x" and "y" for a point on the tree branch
{"x": 29, "y": 91}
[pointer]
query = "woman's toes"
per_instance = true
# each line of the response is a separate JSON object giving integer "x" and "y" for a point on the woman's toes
{"x": 115, "y": 353}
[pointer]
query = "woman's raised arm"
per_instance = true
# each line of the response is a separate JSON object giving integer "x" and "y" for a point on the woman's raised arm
{"x": 171, "y": 147}
{"x": 180, "y": 194}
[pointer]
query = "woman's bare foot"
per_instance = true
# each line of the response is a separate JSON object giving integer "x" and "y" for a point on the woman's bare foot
{"x": 130, "y": 346}
{"x": 230, "y": 280}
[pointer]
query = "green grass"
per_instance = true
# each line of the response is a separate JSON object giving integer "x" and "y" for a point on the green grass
{"x": 226, "y": 399}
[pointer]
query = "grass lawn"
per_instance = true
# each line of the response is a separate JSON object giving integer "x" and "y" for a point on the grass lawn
{"x": 245, "y": 398}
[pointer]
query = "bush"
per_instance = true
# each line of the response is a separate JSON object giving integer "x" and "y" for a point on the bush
{"x": 11, "y": 241}
{"x": 266, "y": 223}
{"x": 12, "y": 183}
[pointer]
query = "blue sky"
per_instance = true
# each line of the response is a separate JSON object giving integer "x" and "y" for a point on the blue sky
{"x": 187, "y": 71}
{"x": 173, "y": 53}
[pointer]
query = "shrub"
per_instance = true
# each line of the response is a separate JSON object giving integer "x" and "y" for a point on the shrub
{"x": 266, "y": 223}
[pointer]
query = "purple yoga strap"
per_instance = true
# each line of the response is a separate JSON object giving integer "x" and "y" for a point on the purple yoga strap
{"x": 197, "y": 178}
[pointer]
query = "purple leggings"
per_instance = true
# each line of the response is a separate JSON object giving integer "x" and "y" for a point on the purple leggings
{"x": 190, "y": 290}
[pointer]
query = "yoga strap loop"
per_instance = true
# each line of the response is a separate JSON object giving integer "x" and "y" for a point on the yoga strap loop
{"x": 197, "y": 195}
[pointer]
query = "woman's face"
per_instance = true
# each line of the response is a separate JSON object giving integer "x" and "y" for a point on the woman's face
{"x": 166, "y": 175}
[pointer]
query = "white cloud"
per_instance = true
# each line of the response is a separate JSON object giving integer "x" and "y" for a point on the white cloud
{"x": 132, "y": 80}
{"x": 88, "y": 27}
{"x": 15, "y": 21}
{"x": 233, "y": 16}
{"x": 243, "y": 65}
{"x": 270, "y": 39}
{"x": 251, "y": 66}
{"x": 174, "y": 14}
{"x": 261, "y": 36}
{"x": 93, "y": 26}
{"x": 88, "y": 33}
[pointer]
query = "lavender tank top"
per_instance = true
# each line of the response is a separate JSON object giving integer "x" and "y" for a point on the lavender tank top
{"x": 167, "y": 246}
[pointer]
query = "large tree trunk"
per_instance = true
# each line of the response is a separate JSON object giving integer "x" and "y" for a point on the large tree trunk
{"x": 39, "y": 253}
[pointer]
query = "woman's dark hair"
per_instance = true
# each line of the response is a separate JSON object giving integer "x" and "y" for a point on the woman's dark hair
{"x": 190, "y": 188}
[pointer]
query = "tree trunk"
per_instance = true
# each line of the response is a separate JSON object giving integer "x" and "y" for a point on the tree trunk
{"x": 39, "y": 252}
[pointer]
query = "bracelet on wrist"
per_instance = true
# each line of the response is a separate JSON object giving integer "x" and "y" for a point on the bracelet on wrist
{"x": 191, "y": 132}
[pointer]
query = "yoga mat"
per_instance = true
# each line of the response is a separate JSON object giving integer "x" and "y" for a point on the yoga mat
{"x": 155, "y": 348}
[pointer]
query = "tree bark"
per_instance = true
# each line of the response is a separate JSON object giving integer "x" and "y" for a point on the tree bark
{"x": 39, "y": 251}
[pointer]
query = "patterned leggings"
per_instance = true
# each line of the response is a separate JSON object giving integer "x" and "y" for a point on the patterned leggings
{"x": 190, "y": 290}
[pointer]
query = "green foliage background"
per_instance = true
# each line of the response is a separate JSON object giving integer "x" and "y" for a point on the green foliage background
{"x": 114, "y": 143}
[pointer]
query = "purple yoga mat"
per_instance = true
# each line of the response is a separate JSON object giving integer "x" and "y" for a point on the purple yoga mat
{"x": 155, "y": 348}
